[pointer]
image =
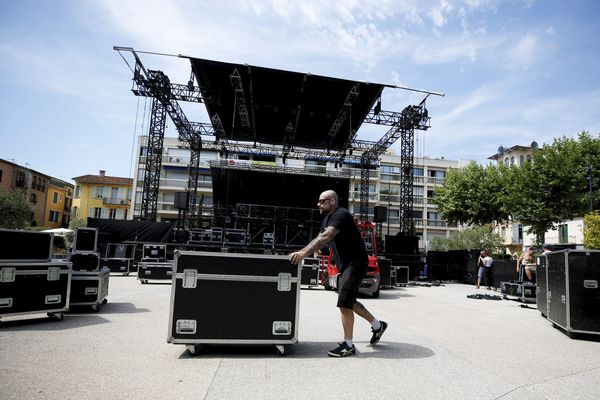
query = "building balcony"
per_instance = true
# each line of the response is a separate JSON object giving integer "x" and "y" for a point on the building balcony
{"x": 116, "y": 201}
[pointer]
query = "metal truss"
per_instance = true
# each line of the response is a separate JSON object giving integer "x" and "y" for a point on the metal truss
{"x": 156, "y": 134}
{"x": 276, "y": 169}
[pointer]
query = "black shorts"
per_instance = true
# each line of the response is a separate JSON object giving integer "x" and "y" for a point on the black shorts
{"x": 349, "y": 283}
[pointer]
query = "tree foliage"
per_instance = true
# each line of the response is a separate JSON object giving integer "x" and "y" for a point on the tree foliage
{"x": 15, "y": 210}
{"x": 591, "y": 230}
{"x": 541, "y": 194}
{"x": 472, "y": 195}
{"x": 475, "y": 237}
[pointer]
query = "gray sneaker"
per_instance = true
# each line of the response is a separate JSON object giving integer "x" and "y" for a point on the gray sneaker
{"x": 377, "y": 333}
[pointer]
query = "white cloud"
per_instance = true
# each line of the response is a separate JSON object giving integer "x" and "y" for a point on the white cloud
{"x": 524, "y": 54}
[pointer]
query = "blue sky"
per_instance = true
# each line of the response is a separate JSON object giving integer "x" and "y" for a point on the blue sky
{"x": 512, "y": 71}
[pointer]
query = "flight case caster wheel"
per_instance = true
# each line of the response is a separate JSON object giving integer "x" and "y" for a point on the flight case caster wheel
{"x": 280, "y": 350}
{"x": 55, "y": 316}
{"x": 193, "y": 349}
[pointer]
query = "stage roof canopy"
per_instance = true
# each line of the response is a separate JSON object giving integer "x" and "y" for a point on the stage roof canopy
{"x": 283, "y": 107}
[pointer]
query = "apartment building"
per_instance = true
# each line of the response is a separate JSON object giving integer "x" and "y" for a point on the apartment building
{"x": 384, "y": 185}
{"x": 33, "y": 183}
{"x": 101, "y": 196}
{"x": 58, "y": 204}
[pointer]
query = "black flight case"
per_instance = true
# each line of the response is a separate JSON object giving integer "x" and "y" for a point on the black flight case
{"x": 541, "y": 280}
{"x": 519, "y": 290}
{"x": 30, "y": 282}
{"x": 89, "y": 289}
{"x": 234, "y": 298}
{"x": 311, "y": 268}
{"x": 573, "y": 291}
{"x": 119, "y": 258}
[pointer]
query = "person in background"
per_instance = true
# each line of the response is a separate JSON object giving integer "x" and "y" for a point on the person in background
{"x": 485, "y": 263}
{"x": 525, "y": 262}
{"x": 546, "y": 248}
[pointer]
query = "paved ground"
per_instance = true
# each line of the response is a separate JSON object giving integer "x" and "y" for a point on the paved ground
{"x": 439, "y": 345}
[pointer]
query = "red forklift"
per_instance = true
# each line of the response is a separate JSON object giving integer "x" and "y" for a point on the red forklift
{"x": 370, "y": 285}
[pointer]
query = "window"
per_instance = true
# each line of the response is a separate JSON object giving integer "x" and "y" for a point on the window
{"x": 33, "y": 198}
{"x": 0, "y": 175}
{"x": 54, "y": 216}
{"x": 100, "y": 191}
{"x": 417, "y": 214}
{"x": 417, "y": 171}
{"x": 74, "y": 212}
{"x": 430, "y": 194}
{"x": 390, "y": 169}
{"x": 528, "y": 158}
{"x": 112, "y": 213}
{"x": 521, "y": 160}
{"x": 431, "y": 215}
{"x": 563, "y": 233}
{"x": 437, "y": 174}
{"x": 97, "y": 212}
{"x": 55, "y": 198}
{"x": 506, "y": 161}
{"x": 143, "y": 151}
{"x": 512, "y": 161}
{"x": 77, "y": 191}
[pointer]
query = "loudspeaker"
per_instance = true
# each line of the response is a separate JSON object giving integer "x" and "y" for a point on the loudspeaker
{"x": 380, "y": 214}
{"x": 181, "y": 200}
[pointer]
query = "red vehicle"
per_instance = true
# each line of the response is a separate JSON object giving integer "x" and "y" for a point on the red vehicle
{"x": 370, "y": 284}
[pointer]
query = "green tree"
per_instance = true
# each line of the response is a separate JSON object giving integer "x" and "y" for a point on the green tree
{"x": 472, "y": 195}
{"x": 15, "y": 211}
{"x": 553, "y": 188}
{"x": 475, "y": 237}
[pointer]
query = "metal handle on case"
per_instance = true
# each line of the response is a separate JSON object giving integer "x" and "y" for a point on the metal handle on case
{"x": 6, "y": 302}
{"x": 53, "y": 273}
{"x": 7, "y": 274}
{"x": 284, "y": 282}
{"x": 53, "y": 298}
{"x": 590, "y": 284}
{"x": 91, "y": 290}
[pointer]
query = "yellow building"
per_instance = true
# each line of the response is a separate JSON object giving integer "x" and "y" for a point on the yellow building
{"x": 101, "y": 196}
{"x": 58, "y": 204}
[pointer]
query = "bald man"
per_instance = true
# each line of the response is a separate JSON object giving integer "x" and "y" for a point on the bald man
{"x": 339, "y": 229}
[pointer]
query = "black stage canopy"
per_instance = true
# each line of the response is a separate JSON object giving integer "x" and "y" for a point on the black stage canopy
{"x": 275, "y": 102}
{"x": 232, "y": 187}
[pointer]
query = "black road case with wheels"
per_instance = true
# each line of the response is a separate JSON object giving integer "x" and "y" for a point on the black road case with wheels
{"x": 541, "y": 285}
{"x": 401, "y": 275}
{"x": 117, "y": 265}
{"x": 573, "y": 290}
{"x": 232, "y": 298}
{"x": 311, "y": 268}
{"x": 32, "y": 288}
{"x": 155, "y": 270}
{"x": 522, "y": 291}
{"x": 385, "y": 272}
{"x": 89, "y": 288}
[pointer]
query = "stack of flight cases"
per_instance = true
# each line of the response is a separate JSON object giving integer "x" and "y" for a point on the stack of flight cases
{"x": 154, "y": 264}
{"x": 311, "y": 268}
{"x": 30, "y": 282}
{"x": 573, "y": 290}
{"x": 89, "y": 283}
{"x": 119, "y": 258}
{"x": 521, "y": 289}
{"x": 234, "y": 298}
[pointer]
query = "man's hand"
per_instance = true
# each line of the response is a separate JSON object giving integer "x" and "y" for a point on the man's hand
{"x": 296, "y": 257}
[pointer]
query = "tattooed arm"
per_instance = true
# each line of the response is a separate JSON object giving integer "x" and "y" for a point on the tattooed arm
{"x": 316, "y": 244}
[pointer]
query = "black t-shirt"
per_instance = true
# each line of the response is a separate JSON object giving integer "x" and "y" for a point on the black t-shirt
{"x": 348, "y": 245}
